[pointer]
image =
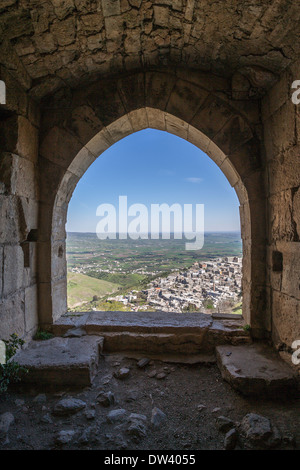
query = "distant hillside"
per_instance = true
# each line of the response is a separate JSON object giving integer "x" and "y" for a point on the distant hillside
{"x": 82, "y": 288}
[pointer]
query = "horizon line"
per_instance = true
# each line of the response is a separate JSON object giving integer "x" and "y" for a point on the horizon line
{"x": 160, "y": 233}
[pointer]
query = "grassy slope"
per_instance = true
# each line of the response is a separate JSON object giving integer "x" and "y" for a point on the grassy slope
{"x": 82, "y": 288}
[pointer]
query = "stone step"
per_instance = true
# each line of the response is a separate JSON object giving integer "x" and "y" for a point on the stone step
{"x": 61, "y": 362}
{"x": 169, "y": 358}
{"x": 152, "y": 343}
{"x": 156, "y": 332}
{"x": 256, "y": 370}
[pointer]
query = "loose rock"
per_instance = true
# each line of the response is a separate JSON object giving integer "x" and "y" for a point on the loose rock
{"x": 258, "y": 432}
{"x": 157, "y": 417}
{"x": 41, "y": 398}
{"x": 230, "y": 440}
{"x": 46, "y": 419}
{"x": 106, "y": 399}
{"x": 152, "y": 373}
{"x": 122, "y": 373}
{"x": 116, "y": 416}
{"x": 161, "y": 376}
{"x": 68, "y": 406}
{"x": 64, "y": 437}
{"x": 224, "y": 424}
{"x": 90, "y": 414}
{"x": 6, "y": 420}
{"x": 89, "y": 435}
{"x": 201, "y": 407}
{"x": 19, "y": 402}
{"x": 143, "y": 362}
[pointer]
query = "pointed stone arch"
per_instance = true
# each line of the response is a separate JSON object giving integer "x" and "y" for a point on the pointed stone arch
{"x": 78, "y": 126}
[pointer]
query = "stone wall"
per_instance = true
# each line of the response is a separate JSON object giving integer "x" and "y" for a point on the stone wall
{"x": 18, "y": 211}
{"x": 255, "y": 143}
{"x": 281, "y": 120}
{"x": 78, "y": 125}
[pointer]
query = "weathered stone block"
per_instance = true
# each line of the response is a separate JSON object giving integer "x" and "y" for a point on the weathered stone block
{"x": 161, "y": 16}
{"x": 63, "y": 9}
{"x": 45, "y": 43}
{"x": 9, "y": 134}
{"x": 9, "y": 219}
{"x": 291, "y": 269}
{"x": 280, "y": 93}
{"x": 120, "y": 128}
{"x": 81, "y": 162}
{"x": 185, "y": 99}
{"x": 233, "y": 135}
{"x": 58, "y": 260}
{"x": 12, "y": 315}
{"x": 84, "y": 123}
{"x": 211, "y": 117}
{"x": 64, "y": 31}
{"x": 60, "y": 146}
{"x": 106, "y": 102}
{"x": 156, "y": 119}
{"x": 279, "y": 130}
{"x": 281, "y": 170}
{"x": 296, "y": 213}
{"x": 1, "y": 270}
{"x": 95, "y": 42}
{"x": 176, "y": 126}
{"x": 138, "y": 119}
{"x": 59, "y": 298}
{"x": 111, "y": 7}
{"x": 200, "y": 140}
{"x": 114, "y": 28}
{"x": 90, "y": 23}
{"x": 280, "y": 216}
{"x": 27, "y": 145}
{"x": 256, "y": 370}
{"x": 31, "y": 308}
{"x": 132, "y": 91}
{"x": 159, "y": 87}
{"x": 61, "y": 362}
{"x": 285, "y": 319}
{"x": 13, "y": 269}
{"x": 26, "y": 185}
{"x": 8, "y": 170}
{"x": 202, "y": 79}
{"x": 51, "y": 174}
{"x": 97, "y": 145}
{"x": 230, "y": 172}
{"x": 132, "y": 43}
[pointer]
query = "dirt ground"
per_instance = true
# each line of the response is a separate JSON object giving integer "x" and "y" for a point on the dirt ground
{"x": 178, "y": 392}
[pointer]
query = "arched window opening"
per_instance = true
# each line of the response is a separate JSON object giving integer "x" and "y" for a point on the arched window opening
{"x": 144, "y": 196}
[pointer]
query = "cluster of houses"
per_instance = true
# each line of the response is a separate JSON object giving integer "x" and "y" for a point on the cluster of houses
{"x": 213, "y": 284}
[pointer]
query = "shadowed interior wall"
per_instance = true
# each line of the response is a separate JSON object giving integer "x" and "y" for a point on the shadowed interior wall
{"x": 281, "y": 119}
{"x": 218, "y": 74}
{"x": 77, "y": 128}
{"x": 18, "y": 212}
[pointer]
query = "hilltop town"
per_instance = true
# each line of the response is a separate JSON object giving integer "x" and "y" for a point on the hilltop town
{"x": 214, "y": 284}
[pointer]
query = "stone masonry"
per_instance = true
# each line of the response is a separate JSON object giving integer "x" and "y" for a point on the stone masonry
{"x": 82, "y": 74}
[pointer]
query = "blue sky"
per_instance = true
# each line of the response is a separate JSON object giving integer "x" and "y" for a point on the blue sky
{"x": 154, "y": 167}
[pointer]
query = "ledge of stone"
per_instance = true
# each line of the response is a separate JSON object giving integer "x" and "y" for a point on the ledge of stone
{"x": 61, "y": 362}
{"x": 256, "y": 370}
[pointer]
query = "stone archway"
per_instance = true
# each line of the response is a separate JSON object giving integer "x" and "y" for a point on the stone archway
{"x": 78, "y": 127}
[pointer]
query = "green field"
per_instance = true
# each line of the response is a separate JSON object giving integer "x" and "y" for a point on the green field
{"x": 122, "y": 265}
{"x": 85, "y": 250}
{"x": 82, "y": 288}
